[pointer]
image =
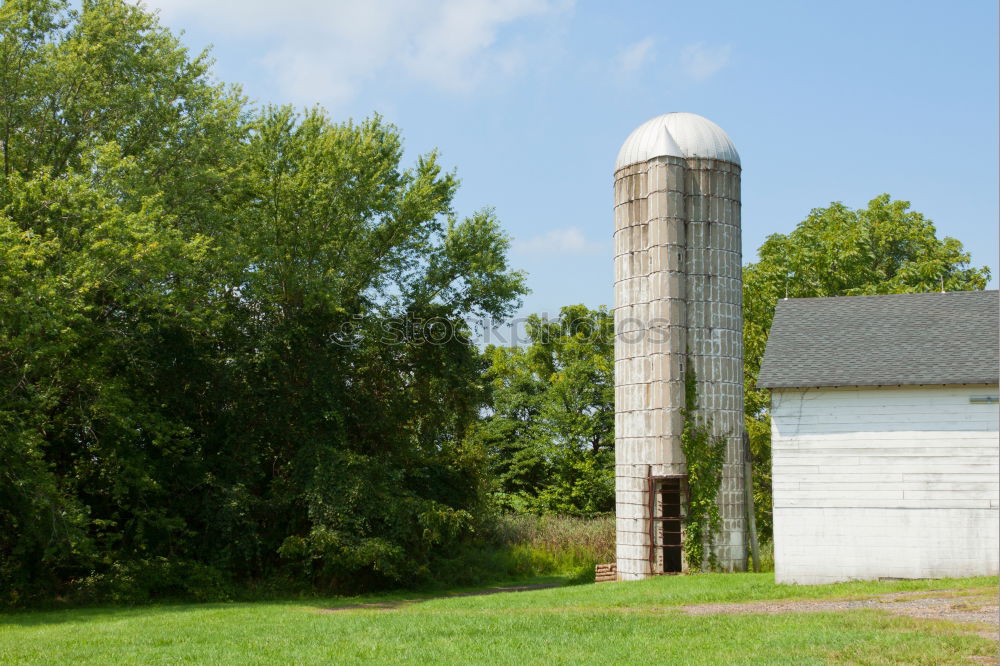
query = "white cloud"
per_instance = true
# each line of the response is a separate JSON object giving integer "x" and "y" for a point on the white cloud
{"x": 633, "y": 57}
{"x": 456, "y": 49}
{"x": 565, "y": 241}
{"x": 700, "y": 61}
{"x": 326, "y": 50}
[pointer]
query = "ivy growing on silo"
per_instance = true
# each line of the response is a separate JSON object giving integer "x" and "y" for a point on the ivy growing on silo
{"x": 705, "y": 454}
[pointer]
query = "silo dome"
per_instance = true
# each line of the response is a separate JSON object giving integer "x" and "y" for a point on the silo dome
{"x": 677, "y": 135}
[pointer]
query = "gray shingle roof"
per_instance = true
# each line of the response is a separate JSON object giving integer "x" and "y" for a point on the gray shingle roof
{"x": 893, "y": 339}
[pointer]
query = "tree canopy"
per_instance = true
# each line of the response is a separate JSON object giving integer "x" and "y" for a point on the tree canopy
{"x": 213, "y": 326}
{"x": 550, "y": 432}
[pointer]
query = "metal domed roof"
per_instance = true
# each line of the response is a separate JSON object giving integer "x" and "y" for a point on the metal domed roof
{"x": 677, "y": 135}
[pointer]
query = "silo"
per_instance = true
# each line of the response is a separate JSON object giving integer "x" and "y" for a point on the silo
{"x": 678, "y": 307}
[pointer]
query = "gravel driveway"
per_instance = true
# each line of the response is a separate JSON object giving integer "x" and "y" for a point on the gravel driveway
{"x": 963, "y": 606}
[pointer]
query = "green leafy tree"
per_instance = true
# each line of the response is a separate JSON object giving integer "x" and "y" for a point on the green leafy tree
{"x": 97, "y": 278}
{"x": 551, "y": 431}
{"x": 232, "y": 341}
{"x": 354, "y": 283}
{"x": 885, "y": 248}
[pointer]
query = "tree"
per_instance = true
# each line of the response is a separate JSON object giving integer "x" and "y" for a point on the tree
{"x": 354, "y": 283}
{"x": 98, "y": 107}
{"x": 885, "y": 248}
{"x": 551, "y": 431}
{"x": 221, "y": 355}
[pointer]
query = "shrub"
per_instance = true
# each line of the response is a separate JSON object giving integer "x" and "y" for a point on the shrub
{"x": 142, "y": 581}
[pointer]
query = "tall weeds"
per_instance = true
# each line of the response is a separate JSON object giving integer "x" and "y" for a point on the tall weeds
{"x": 526, "y": 546}
{"x": 563, "y": 537}
{"x": 559, "y": 545}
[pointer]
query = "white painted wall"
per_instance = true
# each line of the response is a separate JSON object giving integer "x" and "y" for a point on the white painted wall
{"x": 895, "y": 482}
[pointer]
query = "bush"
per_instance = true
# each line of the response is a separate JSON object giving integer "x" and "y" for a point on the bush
{"x": 142, "y": 581}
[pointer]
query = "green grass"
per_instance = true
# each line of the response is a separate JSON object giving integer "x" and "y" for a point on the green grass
{"x": 600, "y": 624}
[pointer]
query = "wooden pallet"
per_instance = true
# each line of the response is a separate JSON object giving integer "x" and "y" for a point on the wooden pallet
{"x": 605, "y": 573}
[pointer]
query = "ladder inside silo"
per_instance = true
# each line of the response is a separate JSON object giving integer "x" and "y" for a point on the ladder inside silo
{"x": 669, "y": 499}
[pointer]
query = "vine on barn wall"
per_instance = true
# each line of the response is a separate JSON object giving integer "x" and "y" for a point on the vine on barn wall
{"x": 705, "y": 454}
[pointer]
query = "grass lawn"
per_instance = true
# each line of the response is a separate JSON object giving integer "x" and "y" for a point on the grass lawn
{"x": 613, "y": 623}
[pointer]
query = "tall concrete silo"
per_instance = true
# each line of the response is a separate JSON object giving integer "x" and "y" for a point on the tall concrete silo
{"x": 678, "y": 302}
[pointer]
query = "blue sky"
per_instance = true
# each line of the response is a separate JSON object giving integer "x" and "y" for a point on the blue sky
{"x": 530, "y": 100}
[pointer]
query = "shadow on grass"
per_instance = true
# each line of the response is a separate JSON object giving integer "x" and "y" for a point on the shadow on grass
{"x": 387, "y": 605}
{"x": 79, "y": 613}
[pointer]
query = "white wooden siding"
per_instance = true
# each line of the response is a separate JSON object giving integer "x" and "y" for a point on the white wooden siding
{"x": 900, "y": 482}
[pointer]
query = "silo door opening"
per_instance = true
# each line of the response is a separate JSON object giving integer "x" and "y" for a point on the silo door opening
{"x": 669, "y": 510}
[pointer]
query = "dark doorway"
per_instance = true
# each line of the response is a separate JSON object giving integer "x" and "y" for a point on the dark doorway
{"x": 669, "y": 509}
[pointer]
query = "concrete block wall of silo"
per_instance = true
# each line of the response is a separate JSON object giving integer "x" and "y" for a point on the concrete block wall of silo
{"x": 678, "y": 295}
{"x": 715, "y": 332}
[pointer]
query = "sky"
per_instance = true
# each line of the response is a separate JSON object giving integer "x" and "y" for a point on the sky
{"x": 530, "y": 100}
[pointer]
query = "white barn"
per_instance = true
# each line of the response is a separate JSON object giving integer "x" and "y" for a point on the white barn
{"x": 884, "y": 413}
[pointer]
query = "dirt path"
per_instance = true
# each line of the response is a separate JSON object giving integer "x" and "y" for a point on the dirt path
{"x": 976, "y": 606}
{"x": 474, "y": 593}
